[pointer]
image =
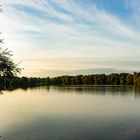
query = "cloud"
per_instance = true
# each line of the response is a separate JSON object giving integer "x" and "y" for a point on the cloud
{"x": 67, "y": 28}
{"x": 134, "y": 6}
{"x": 53, "y": 73}
{"x": 82, "y": 65}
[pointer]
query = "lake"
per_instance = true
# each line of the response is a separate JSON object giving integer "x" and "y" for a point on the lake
{"x": 70, "y": 113}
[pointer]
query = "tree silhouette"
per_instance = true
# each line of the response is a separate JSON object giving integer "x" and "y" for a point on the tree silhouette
{"x": 7, "y": 66}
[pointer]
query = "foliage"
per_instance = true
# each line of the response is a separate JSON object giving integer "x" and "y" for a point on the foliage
{"x": 8, "y": 68}
{"x": 97, "y": 79}
{"x": 137, "y": 81}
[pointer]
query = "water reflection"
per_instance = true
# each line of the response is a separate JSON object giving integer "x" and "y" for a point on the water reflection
{"x": 70, "y": 113}
{"x": 86, "y": 89}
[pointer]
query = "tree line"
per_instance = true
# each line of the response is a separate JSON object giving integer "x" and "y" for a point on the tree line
{"x": 9, "y": 79}
{"x": 96, "y": 79}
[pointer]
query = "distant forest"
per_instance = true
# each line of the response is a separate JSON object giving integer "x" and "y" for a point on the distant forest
{"x": 97, "y": 79}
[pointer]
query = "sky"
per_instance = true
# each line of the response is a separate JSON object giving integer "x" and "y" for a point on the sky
{"x": 71, "y": 37}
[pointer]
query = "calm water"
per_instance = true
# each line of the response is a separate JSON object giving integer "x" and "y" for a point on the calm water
{"x": 70, "y": 113}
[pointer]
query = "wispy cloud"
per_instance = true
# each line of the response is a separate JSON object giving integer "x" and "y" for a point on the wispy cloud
{"x": 69, "y": 28}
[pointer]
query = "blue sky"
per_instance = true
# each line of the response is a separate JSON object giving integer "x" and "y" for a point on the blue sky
{"x": 57, "y": 37}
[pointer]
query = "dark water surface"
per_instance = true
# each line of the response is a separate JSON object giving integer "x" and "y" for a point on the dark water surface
{"x": 70, "y": 113}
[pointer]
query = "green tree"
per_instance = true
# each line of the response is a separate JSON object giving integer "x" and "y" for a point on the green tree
{"x": 123, "y": 78}
{"x": 112, "y": 79}
{"x": 129, "y": 79}
{"x": 100, "y": 79}
{"x": 8, "y": 68}
{"x": 7, "y": 65}
{"x": 137, "y": 82}
{"x": 136, "y": 78}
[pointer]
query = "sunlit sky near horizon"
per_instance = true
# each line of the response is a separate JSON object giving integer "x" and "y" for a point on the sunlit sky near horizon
{"x": 70, "y": 37}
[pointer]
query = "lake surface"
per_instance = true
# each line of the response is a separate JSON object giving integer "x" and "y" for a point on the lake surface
{"x": 70, "y": 113}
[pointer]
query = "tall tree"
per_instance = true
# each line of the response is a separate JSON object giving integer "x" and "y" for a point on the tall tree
{"x": 8, "y": 67}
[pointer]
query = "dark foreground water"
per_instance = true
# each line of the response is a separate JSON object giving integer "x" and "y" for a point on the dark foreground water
{"x": 70, "y": 113}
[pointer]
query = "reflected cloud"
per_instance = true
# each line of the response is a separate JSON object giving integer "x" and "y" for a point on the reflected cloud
{"x": 43, "y": 112}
